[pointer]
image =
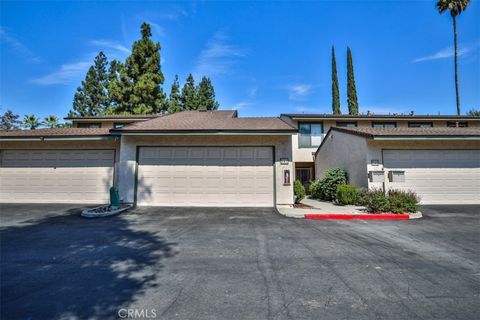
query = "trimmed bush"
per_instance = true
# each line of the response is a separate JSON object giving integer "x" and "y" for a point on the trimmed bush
{"x": 377, "y": 202}
{"x": 403, "y": 201}
{"x": 299, "y": 191}
{"x": 327, "y": 185}
{"x": 362, "y": 197}
{"x": 315, "y": 189}
{"x": 346, "y": 194}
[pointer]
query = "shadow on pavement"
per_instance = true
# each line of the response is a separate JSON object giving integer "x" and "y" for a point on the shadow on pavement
{"x": 65, "y": 266}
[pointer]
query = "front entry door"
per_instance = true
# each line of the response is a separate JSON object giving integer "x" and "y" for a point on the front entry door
{"x": 305, "y": 176}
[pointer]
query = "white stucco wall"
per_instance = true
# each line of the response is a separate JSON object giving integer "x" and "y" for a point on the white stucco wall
{"x": 128, "y": 153}
{"x": 345, "y": 151}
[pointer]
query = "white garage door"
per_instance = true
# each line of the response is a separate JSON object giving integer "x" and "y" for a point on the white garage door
{"x": 56, "y": 176}
{"x": 205, "y": 176}
{"x": 437, "y": 176}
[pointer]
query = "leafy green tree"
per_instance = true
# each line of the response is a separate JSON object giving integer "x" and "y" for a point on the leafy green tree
{"x": 9, "y": 121}
{"x": 351, "y": 89}
{"x": 473, "y": 113}
{"x": 456, "y": 7}
{"x": 137, "y": 90}
{"x": 91, "y": 98}
{"x": 206, "y": 95}
{"x": 174, "y": 103}
{"x": 335, "y": 89}
{"x": 31, "y": 122}
{"x": 51, "y": 122}
{"x": 188, "y": 98}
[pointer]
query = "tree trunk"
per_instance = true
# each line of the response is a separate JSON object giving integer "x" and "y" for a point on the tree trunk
{"x": 456, "y": 63}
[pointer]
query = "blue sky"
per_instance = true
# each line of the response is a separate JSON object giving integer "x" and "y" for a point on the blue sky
{"x": 264, "y": 58}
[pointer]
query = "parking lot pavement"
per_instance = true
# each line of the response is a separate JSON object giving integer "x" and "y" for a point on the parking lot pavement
{"x": 204, "y": 263}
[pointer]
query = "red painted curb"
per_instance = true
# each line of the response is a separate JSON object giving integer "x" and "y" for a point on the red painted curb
{"x": 339, "y": 216}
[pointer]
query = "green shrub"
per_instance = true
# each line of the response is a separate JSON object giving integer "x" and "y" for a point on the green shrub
{"x": 377, "y": 202}
{"x": 346, "y": 194}
{"x": 315, "y": 189}
{"x": 362, "y": 197}
{"x": 403, "y": 201}
{"x": 299, "y": 191}
{"x": 328, "y": 184}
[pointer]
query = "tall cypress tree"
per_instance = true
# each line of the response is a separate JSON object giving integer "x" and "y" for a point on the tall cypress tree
{"x": 188, "y": 99}
{"x": 206, "y": 95}
{"x": 138, "y": 88}
{"x": 91, "y": 98}
{"x": 351, "y": 89}
{"x": 174, "y": 103}
{"x": 335, "y": 89}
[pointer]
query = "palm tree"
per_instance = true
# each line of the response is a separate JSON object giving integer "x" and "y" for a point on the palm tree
{"x": 51, "y": 121}
{"x": 456, "y": 7}
{"x": 31, "y": 122}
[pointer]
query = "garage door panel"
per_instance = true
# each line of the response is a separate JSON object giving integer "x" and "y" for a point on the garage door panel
{"x": 56, "y": 176}
{"x": 205, "y": 176}
{"x": 437, "y": 176}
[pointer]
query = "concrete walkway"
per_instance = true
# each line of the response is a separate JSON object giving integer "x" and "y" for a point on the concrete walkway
{"x": 318, "y": 207}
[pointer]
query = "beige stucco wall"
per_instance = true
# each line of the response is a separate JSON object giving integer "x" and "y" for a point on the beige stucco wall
{"x": 129, "y": 144}
{"x": 345, "y": 151}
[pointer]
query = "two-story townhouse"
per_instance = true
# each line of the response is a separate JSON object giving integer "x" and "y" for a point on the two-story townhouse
{"x": 313, "y": 127}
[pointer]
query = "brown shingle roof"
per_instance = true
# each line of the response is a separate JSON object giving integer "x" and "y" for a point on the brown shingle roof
{"x": 381, "y": 116}
{"x": 220, "y": 120}
{"x": 57, "y": 132}
{"x": 410, "y": 132}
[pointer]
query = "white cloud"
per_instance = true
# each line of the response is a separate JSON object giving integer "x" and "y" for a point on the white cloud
{"x": 108, "y": 44}
{"x": 218, "y": 57}
{"x": 18, "y": 47}
{"x": 298, "y": 91}
{"x": 241, "y": 105}
{"x": 65, "y": 75}
{"x": 441, "y": 54}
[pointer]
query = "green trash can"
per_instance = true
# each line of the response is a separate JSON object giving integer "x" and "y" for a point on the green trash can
{"x": 114, "y": 198}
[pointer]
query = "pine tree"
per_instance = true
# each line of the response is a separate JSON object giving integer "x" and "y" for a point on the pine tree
{"x": 91, "y": 98}
{"x": 188, "y": 99}
{"x": 351, "y": 89}
{"x": 174, "y": 104}
{"x": 137, "y": 89}
{"x": 335, "y": 89}
{"x": 206, "y": 95}
{"x": 9, "y": 121}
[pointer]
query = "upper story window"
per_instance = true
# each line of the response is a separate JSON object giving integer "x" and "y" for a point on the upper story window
{"x": 346, "y": 124}
{"x": 310, "y": 135}
{"x": 118, "y": 125}
{"x": 89, "y": 125}
{"x": 457, "y": 124}
{"x": 384, "y": 124}
{"x": 420, "y": 124}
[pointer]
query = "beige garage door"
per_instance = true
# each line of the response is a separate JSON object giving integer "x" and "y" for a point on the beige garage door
{"x": 438, "y": 176}
{"x": 205, "y": 176}
{"x": 56, "y": 176}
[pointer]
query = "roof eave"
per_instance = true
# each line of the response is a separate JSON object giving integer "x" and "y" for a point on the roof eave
{"x": 202, "y": 132}
{"x": 58, "y": 138}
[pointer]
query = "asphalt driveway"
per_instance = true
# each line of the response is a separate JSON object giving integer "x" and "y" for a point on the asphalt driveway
{"x": 237, "y": 264}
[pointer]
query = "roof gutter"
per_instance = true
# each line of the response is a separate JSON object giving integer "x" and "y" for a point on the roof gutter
{"x": 64, "y": 138}
{"x": 203, "y": 133}
{"x": 373, "y": 118}
{"x": 397, "y": 138}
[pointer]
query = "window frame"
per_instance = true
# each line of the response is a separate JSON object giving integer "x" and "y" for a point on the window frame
{"x": 419, "y": 124}
{"x": 337, "y": 124}
{"x": 89, "y": 125}
{"x": 300, "y": 144}
{"x": 383, "y": 123}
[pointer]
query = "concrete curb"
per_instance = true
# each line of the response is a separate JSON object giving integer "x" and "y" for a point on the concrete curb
{"x": 363, "y": 216}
